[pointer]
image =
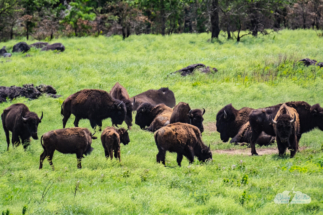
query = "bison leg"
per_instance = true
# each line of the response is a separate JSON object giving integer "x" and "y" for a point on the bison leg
{"x": 6, "y": 131}
{"x": 76, "y": 121}
{"x": 179, "y": 158}
{"x": 42, "y": 158}
{"x": 294, "y": 147}
{"x": 26, "y": 143}
{"x": 161, "y": 156}
{"x": 254, "y": 137}
{"x": 66, "y": 117}
{"x": 79, "y": 160}
{"x": 117, "y": 154}
{"x": 99, "y": 122}
{"x": 189, "y": 154}
{"x": 50, "y": 159}
{"x": 15, "y": 139}
{"x": 281, "y": 148}
{"x": 106, "y": 152}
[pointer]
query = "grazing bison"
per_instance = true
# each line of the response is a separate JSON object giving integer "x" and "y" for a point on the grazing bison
{"x": 94, "y": 105}
{"x": 3, "y": 51}
{"x": 39, "y": 45}
{"x": 67, "y": 141}
{"x": 184, "y": 139}
{"x": 120, "y": 93}
{"x": 111, "y": 138}
{"x": 310, "y": 117}
{"x": 53, "y": 47}
{"x": 21, "y": 122}
{"x": 153, "y": 116}
{"x": 183, "y": 113}
{"x": 229, "y": 121}
{"x": 287, "y": 127}
{"x": 21, "y": 47}
{"x": 154, "y": 97}
{"x": 245, "y": 133}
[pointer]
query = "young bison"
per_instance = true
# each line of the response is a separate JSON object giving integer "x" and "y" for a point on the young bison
{"x": 67, "y": 141}
{"x": 287, "y": 127}
{"x": 182, "y": 138}
{"x": 111, "y": 138}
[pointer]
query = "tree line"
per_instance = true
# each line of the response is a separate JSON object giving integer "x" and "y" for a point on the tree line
{"x": 46, "y": 19}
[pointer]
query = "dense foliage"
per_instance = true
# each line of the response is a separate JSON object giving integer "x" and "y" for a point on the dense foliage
{"x": 51, "y": 18}
{"x": 257, "y": 72}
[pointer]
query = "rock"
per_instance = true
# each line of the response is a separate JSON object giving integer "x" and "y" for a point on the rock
{"x": 190, "y": 69}
{"x": 6, "y": 55}
{"x": 39, "y": 45}
{"x": 53, "y": 47}
{"x": 21, "y": 47}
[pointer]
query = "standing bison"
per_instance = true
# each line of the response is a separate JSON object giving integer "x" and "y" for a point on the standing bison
{"x": 154, "y": 97}
{"x": 67, "y": 141}
{"x": 310, "y": 117}
{"x": 287, "y": 127}
{"x": 94, "y": 105}
{"x": 120, "y": 93}
{"x": 111, "y": 138}
{"x": 184, "y": 139}
{"x": 182, "y": 112}
{"x": 153, "y": 116}
{"x": 21, "y": 122}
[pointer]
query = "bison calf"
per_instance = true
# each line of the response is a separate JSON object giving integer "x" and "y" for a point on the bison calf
{"x": 182, "y": 138}
{"x": 67, "y": 141}
{"x": 111, "y": 138}
{"x": 287, "y": 127}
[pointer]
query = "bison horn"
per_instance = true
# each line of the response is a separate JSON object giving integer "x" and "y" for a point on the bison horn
{"x": 209, "y": 146}
{"x": 275, "y": 122}
{"x": 24, "y": 119}
{"x": 225, "y": 115}
{"x": 42, "y": 114}
{"x": 119, "y": 105}
{"x": 134, "y": 101}
{"x": 203, "y": 111}
{"x": 293, "y": 120}
{"x": 93, "y": 133}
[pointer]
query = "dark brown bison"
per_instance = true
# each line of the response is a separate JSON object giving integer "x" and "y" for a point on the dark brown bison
{"x": 21, "y": 47}
{"x": 56, "y": 46}
{"x": 245, "y": 133}
{"x": 310, "y": 117}
{"x": 120, "y": 93}
{"x": 229, "y": 121}
{"x": 153, "y": 116}
{"x": 22, "y": 123}
{"x": 154, "y": 97}
{"x": 111, "y": 139}
{"x": 287, "y": 127}
{"x": 3, "y": 51}
{"x": 182, "y": 112}
{"x": 67, "y": 141}
{"x": 94, "y": 105}
{"x": 184, "y": 139}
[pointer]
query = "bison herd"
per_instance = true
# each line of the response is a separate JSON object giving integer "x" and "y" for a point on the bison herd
{"x": 176, "y": 128}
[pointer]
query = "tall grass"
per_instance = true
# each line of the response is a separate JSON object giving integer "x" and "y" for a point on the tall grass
{"x": 257, "y": 72}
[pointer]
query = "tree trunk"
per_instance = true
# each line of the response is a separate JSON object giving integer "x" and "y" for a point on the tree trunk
{"x": 11, "y": 33}
{"x": 123, "y": 33}
{"x": 229, "y": 33}
{"x": 27, "y": 30}
{"x": 215, "y": 19}
{"x": 163, "y": 17}
{"x": 277, "y": 19}
{"x": 254, "y": 22}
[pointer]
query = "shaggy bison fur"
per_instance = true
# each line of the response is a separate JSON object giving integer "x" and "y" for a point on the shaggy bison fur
{"x": 120, "y": 93}
{"x": 53, "y": 47}
{"x": 21, "y": 47}
{"x": 67, "y": 141}
{"x": 184, "y": 139}
{"x": 111, "y": 139}
{"x": 21, "y": 122}
{"x": 94, "y": 105}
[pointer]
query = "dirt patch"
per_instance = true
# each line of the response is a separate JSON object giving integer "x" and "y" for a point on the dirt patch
{"x": 266, "y": 151}
{"x": 210, "y": 127}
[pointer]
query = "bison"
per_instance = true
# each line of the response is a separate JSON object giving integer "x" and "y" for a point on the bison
{"x": 21, "y": 47}
{"x": 310, "y": 117}
{"x": 229, "y": 121}
{"x": 154, "y": 97}
{"x": 184, "y": 139}
{"x": 287, "y": 127}
{"x": 67, "y": 141}
{"x": 245, "y": 133}
{"x": 120, "y": 93}
{"x": 3, "y": 51}
{"x": 153, "y": 116}
{"x": 94, "y": 105}
{"x": 183, "y": 113}
{"x": 22, "y": 123}
{"x": 111, "y": 138}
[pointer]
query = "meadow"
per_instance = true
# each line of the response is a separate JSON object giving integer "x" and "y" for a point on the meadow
{"x": 257, "y": 72}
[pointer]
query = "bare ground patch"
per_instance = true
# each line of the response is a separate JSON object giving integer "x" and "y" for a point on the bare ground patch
{"x": 265, "y": 151}
{"x": 210, "y": 127}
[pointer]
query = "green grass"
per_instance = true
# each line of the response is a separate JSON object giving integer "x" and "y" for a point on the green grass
{"x": 251, "y": 74}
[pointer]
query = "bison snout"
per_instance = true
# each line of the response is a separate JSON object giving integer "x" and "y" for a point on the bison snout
{"x": 34, "y": 136}
{"x": 283, "y": 140}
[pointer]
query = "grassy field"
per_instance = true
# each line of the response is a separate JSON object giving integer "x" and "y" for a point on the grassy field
{"x": 257, "y": 72}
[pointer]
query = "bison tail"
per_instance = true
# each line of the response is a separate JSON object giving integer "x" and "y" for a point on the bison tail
{"x": 41, "y": 142}
{"x": 62, "y": 109}
{"x": 156, "y": 137}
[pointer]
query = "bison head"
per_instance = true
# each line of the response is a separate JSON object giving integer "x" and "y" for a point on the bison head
{"x": 317, "y": 115}
{"x": 119, "y": 113}
{"x": 144, "y": 115}
{"x": 31, "y": 122}
{"x": 205, "y": 154}
{"x": 284, "y": 127}
{"x": 225, "y": 122}
{"x": 196, "y": 118}
{"x": 124, "y": 136}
